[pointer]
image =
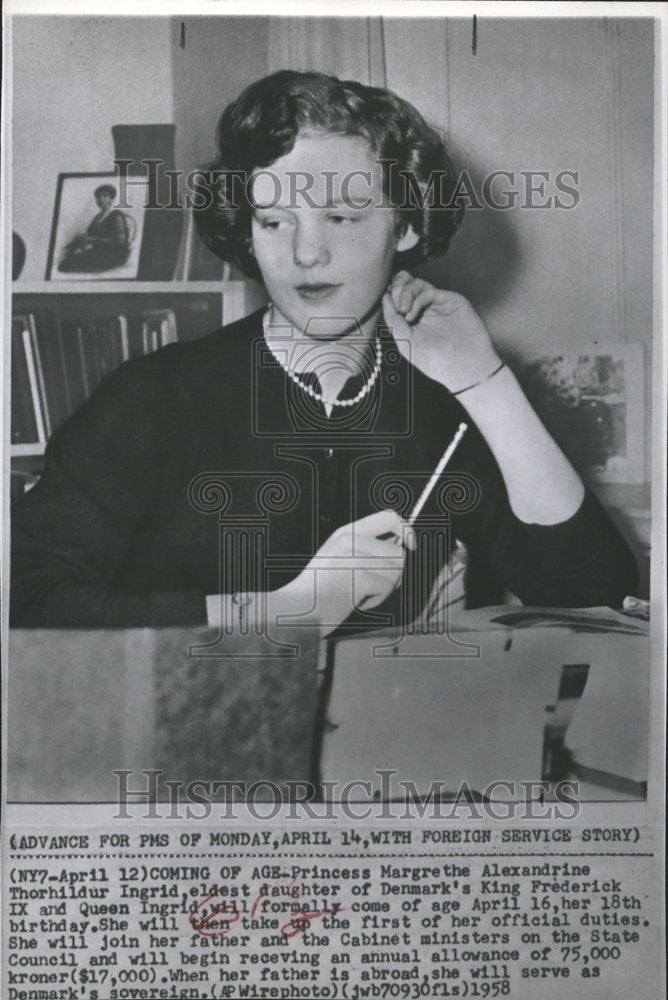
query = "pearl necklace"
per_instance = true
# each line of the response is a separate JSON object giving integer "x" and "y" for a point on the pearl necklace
{"x": 289, "y": 370}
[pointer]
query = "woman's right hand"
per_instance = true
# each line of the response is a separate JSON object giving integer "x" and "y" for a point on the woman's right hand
{"x": 359, "y": 566}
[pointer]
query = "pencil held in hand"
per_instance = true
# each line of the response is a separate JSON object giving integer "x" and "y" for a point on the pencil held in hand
{"x": 447, "y": 455}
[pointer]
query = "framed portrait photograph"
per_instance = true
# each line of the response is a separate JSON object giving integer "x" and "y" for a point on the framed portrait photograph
{"x": 97, "y": 228}
{"x": 593, "y": 401}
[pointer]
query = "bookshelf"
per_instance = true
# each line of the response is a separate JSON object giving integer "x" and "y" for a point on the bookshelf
{"x": 67, "y": 326}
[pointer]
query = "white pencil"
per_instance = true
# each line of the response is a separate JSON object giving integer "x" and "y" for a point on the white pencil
{"x": 447, "y": 455}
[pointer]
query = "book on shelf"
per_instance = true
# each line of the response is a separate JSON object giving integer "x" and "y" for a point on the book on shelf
{"x": 27, "y": 413}
{"x": 59, "y": 358}
{"x": 24, "y": 424}
{"x": 36, "y": 371}
{"x": 158, "y": 329}
{"x": 102, "y": 348}
{"x": 75, "y": 380}
{"x": 54, "y": 388}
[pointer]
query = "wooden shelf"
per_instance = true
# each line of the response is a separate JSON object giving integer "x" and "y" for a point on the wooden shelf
{"x": 239, "y": 296}
{"x": 26, "y": 450}
{"x": 124, "y": 287}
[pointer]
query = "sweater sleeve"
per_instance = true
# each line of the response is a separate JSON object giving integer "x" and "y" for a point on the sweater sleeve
{"x": 580, "y": 562}
{"x": 72, "y": 532}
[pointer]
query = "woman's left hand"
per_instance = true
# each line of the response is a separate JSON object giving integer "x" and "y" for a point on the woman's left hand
{"x": 439, "y": 332}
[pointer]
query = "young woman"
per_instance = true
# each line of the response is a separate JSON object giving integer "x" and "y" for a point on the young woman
{"x": 269, "y": 469}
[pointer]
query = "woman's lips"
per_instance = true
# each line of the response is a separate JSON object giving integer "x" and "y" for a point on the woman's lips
{"x": 316, "y": 291}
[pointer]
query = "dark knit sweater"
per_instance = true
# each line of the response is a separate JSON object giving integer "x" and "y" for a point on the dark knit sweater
{"x": 128, "y": 525}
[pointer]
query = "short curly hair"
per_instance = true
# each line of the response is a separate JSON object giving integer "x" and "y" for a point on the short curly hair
{"x": 107, "y": 189}
{"x": 262, "y": 125}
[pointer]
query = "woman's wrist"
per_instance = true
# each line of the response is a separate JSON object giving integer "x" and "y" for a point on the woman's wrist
{"x": 482, "y": 380}
{"x": 263, "y": 612}
{"x": 543, "y": 487}
{"x": 296, "y": 603}
{"x": 467, "y": 373}
{"x": 489, "y": 390}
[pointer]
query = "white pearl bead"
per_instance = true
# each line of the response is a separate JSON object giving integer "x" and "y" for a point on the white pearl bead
{"x": 309, "y": 389}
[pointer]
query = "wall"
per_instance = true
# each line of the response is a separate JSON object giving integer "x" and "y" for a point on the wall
{"x": 218, "y": 58}
{"x": 73, "y": 79}
{"x": 545, "y": 95}
{"x": 214, "y": 58}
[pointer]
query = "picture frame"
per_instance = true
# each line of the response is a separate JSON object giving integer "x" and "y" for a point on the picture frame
{"x": 592, "y": 400}
{"x": 97, "y": 232}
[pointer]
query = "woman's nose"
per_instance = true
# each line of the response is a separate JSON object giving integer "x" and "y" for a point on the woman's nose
{"x": 310, "y": 247}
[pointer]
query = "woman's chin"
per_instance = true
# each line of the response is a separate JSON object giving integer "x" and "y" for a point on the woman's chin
{"x": 321, "y": 328}
{"x": 334, "y": 327}
{"x": 324, "y": 324}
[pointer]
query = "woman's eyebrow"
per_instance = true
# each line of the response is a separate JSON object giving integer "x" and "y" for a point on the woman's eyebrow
{"x": 351, "y": 204}
{"x": 326, "y": 204}
{"x": 270, "y": 208}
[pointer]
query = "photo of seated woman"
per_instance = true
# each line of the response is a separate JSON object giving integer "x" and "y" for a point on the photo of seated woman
{"x": 316, "y": 422}
{"x": 106, "y": 243}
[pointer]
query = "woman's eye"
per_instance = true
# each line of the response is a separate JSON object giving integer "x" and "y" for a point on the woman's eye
{"x": 341, "y": 219}
{"x": 270, "y": 223}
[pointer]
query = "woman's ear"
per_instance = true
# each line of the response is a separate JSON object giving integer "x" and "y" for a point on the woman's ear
{"x": 407, "y": 240}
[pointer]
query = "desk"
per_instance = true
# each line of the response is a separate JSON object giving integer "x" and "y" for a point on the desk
{"x": 82, "y": 704}
{"x": 471, "y": 708}
{"x": 480, "y": 707}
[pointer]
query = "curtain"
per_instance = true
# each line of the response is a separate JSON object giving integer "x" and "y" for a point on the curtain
{"x": 351, "y": 48}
